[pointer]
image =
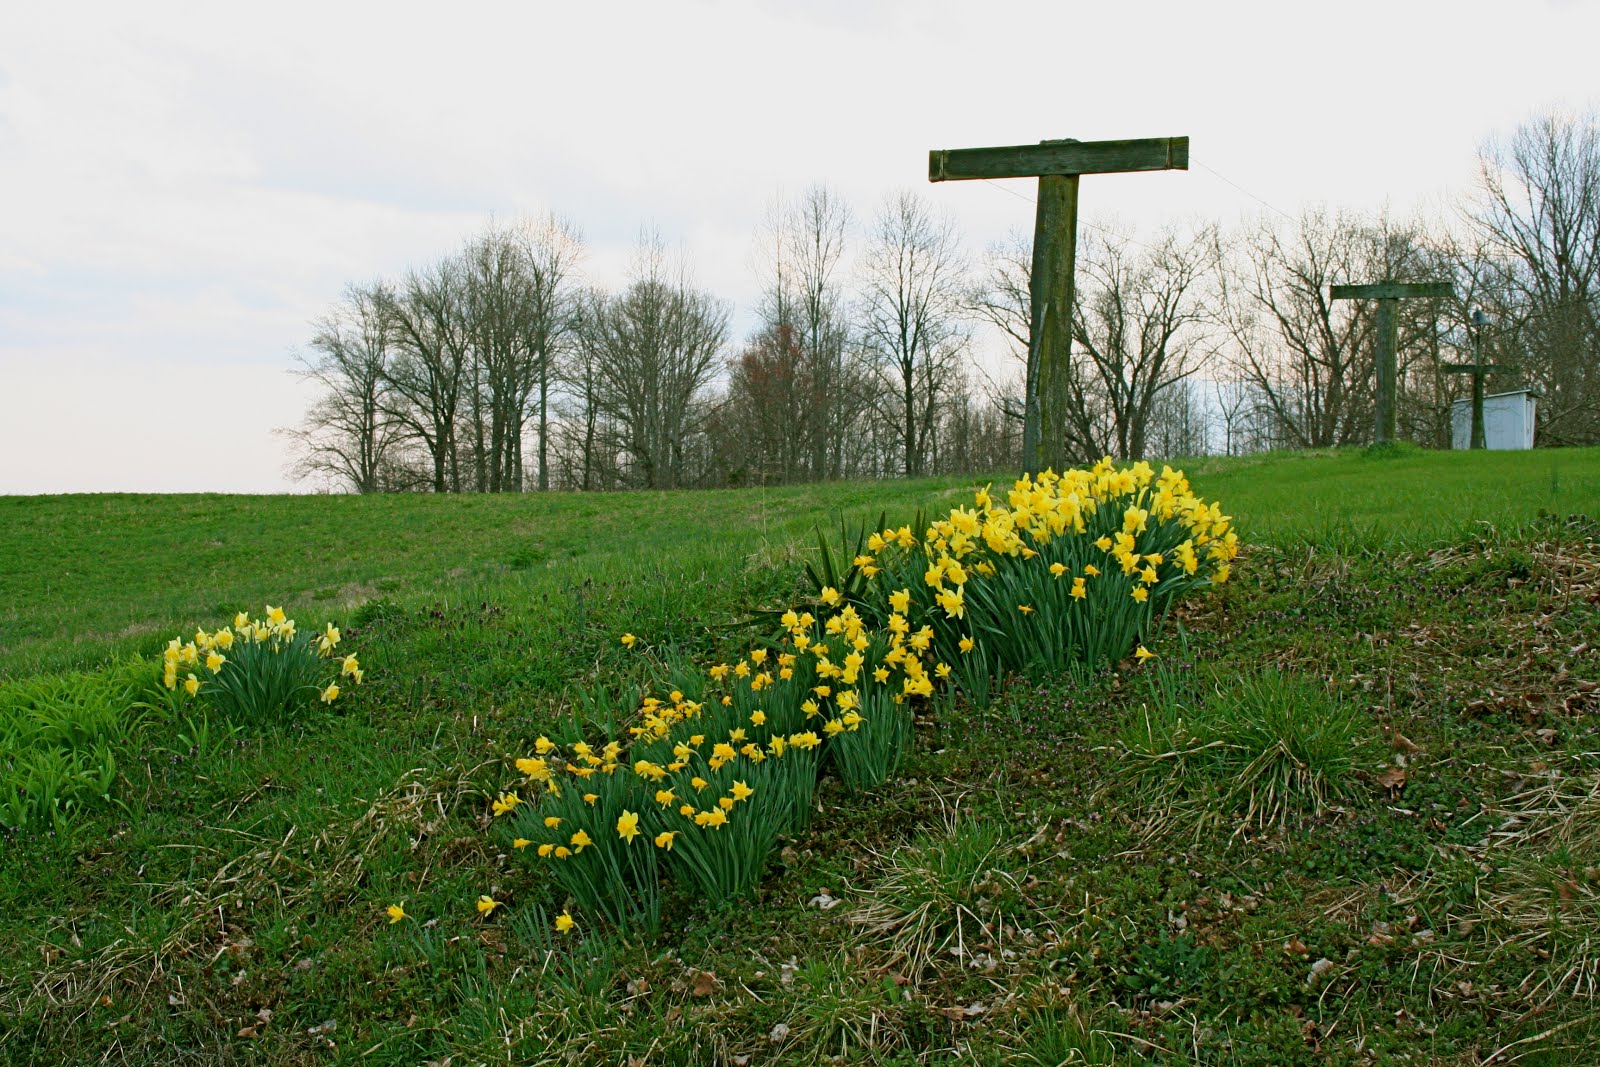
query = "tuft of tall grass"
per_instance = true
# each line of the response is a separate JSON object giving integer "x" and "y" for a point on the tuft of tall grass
{"x": 935, "y": 894}
{"x": 59, "y": 736}
{"x": 1262, "y": 747}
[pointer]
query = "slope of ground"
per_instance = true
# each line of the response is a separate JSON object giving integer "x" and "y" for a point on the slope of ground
{"x": 1348, "y": 816}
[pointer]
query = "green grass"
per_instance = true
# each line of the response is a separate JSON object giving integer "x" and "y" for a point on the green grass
{"x": 229, "y": 901}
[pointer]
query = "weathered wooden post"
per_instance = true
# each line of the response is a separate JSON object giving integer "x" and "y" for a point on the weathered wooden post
{"x": 1387, "y": 294}
{"x": 1057, "y": 165}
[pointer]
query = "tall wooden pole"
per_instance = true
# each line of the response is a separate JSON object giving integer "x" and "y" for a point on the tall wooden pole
{"x": 1055, "y": 254}
{"x": 1388, "y": 342}
{"x": 1480, "y": 438}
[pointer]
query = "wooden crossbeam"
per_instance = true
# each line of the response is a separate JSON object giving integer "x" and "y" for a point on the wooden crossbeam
{"x": 1058, "y": 157}
{"x": 1390, "y": 290}
{"x": 1474, "y": 368}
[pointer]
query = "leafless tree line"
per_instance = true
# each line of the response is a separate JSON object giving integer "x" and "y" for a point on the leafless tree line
{"x": 861, "y": 362}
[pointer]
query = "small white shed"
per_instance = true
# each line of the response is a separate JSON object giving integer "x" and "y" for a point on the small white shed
{"x": 1507, "y": 420}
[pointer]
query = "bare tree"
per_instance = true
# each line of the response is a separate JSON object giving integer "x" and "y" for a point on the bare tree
{"x": 1308, "y": 359}
{"x": 913, "y": 295}
{"x": 801, "y": 257}
{"x": 654, "y": 349}
{"x": 428, "y": 374}
{"x": 347, "y": 435}
{"x": 517, "y": 307}
{"x": 1538, "y": 204}
{"x": 1140, "y": 325}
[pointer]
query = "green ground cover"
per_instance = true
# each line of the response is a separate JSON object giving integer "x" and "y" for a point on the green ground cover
{"x": 1217, "y": 857}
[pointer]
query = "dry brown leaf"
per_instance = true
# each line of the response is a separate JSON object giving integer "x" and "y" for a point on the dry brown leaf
{"x": 1393, "y": 779}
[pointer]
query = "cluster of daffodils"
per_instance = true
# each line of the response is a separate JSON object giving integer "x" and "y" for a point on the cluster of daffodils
{"x": 260, "y": 666}
{"x": 711, "y": 775}
{"x": 1069, "y": 569}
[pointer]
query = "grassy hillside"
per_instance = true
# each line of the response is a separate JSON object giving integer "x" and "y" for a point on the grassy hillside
{"x": 84, "y": 577}
{"x": 1348, "y": 816}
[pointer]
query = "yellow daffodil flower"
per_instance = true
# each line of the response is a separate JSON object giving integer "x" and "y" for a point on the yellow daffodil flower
{"x": 628, "y": 826}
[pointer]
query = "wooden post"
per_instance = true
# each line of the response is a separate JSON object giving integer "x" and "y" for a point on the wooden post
{"x": 1388, "y": 295}
{"x": 1388, "y": 340}
{"x": 1058, "y": 165}
{"x": 1479, "y": 438}
{"x": 1055, "y": 254}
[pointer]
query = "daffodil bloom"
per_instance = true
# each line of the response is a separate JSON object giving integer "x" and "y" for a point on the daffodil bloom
{"x": 214, "y": 661}
{"x": 628, "y": 826}
{"x": 1058, "y": 569}
{"x": 581, "y": 840}
{"x": 330, "y": 694}
{"x": 504, "y": 803}
{"x": 665, "y": 797}
{"x": 241, "y": 620}
{"x": 829, "y": 595}
{"x": 1141, "y": 594}
{"x": 742, "y": 791}
{"x": 552, "y": 821}
{"x": 1078, "y": 589}
{"x": 275, "y": 616}
{"x": 396, "y": 913}
{"x": 628, "y": 640}
{"x": 1091, "y": 570}
{"x": 713, "y": 818}
{"x": 880, "y": 674}
{"x": 565, "y": 922}
{"x": 521, "y": 842}
{"x": 590, "y": 798}
{"x": 487, "y": 904}
{"x": 1144, "y": 653}
{"x": 191, "y": 685}
{"x": 1025, "y": 609}
{"x": 758, "y": 717}
{"x": 664, "y": 839}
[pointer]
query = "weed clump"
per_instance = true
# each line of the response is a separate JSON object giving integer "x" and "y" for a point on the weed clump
{"x": 1264, "y": 748}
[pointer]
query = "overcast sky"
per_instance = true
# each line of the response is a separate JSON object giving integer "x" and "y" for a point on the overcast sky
{"x": 183, "y": 188}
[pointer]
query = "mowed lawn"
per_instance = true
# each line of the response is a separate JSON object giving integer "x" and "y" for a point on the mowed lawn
{"x": 87, "y": 577}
